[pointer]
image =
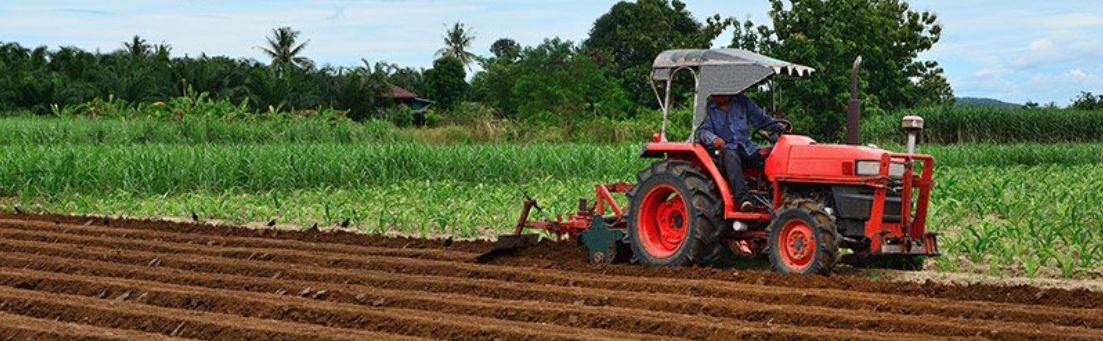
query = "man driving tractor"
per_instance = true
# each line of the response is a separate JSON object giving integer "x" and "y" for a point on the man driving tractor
{"x": 727, "y": 130}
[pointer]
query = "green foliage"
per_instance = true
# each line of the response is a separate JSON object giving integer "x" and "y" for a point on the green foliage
{"x": 446, "y": 82}
{"x": 285, "y": 51}
{"x": 557, "y": 84}
{"x": 1087, "y": 101}
{"x": 828, "y": 35}
{"x": 38, "y": 79}
{"x": 457, "y": 40}
{"x": 493, "y": 85}
{"x": 506, "y": 49}
{"x": 960, "y": 124}
{"x": 1011, "y": 226}
{"x": 633, "y": 33}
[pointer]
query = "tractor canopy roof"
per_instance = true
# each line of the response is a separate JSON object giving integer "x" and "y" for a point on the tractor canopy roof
{"x": 718, "y": 72}
{"x": 669, "y": 60}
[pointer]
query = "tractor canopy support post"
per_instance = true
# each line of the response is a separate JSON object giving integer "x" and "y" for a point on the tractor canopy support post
{"x": 853, "y": 107}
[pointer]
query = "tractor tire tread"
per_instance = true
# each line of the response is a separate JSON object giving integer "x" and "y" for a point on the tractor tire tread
{"x": 707, "y": 248}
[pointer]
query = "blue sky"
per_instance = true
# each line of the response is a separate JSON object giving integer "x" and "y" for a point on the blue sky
{"x": 1011, "y": 50}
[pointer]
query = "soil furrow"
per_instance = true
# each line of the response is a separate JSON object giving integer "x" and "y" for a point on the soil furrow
{"x": 97, "y": 278}
{"x": 18, "y": 327}
{"x": 564, "y": 257}
{"x": 397, "y": 247}
{"x": 532, "y": 307}
{"x": 301, "y": 306}
{"x": 740, "y": 309}
{"x": 710, "y": 288}
{"x": 121, "y": 314}
{"x": 675, "y": 325}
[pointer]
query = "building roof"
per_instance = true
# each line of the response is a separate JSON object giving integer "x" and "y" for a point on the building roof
{"x": 400, "y": 93}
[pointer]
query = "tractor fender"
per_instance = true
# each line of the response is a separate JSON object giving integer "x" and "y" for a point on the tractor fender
{"x": 699, "y": 156}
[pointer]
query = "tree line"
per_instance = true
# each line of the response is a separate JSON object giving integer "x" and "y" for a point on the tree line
{"x": 556, "y": 81}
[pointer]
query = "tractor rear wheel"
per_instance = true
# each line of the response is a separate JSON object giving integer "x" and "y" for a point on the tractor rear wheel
{"x": 803, "y": 239}
{"x": 674, "y": 216}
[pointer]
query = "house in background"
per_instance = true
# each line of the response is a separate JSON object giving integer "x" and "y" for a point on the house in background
{"x": 407, "y": 97}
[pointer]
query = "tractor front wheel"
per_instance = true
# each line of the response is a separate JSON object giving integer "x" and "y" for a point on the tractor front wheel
{"x": 803, "y": 239}
{"x": 673, "y": 217}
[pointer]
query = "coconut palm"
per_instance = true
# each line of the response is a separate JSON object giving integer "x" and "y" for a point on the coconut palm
{"x": 283, "y": 50}
{"x": 456, "y": 41}
{"x": 137, "y": 47}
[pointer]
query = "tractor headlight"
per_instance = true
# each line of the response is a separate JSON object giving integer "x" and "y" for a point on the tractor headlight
{"x": 870, "y": 168}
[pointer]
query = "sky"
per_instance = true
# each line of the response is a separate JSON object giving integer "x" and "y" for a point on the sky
{"x": 1016, "y": 50}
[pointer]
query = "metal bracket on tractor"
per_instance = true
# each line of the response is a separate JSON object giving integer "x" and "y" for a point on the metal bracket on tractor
{"x": 598, "y": 226}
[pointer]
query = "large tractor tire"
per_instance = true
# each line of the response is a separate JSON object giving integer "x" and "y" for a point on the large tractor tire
{"x": 674, "y": 216}
{"x": 803, "y": 239}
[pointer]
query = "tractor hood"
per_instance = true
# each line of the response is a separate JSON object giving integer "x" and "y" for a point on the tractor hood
{"x": 801, "y": 156}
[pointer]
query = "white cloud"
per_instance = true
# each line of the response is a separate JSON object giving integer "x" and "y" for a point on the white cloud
{"x": 1077, "y": 20}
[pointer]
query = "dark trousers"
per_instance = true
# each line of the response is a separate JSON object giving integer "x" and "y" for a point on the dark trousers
{"x": 733, "y": 162}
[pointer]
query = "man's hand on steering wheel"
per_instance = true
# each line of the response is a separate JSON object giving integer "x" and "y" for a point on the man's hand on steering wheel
{"x": 784, "y": 127}
{"x": 718, "y": 143}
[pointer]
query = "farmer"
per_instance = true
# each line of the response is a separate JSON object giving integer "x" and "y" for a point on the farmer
{"x": 727, "y": 129}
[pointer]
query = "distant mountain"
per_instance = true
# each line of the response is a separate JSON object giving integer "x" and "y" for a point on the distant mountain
{"x": 984, "y": 102}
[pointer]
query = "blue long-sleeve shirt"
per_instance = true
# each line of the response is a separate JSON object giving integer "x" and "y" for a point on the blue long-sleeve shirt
{"x": 733, "y": 125}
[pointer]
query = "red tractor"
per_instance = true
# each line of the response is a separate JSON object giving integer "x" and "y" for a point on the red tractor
{"x": 812, "y": 199}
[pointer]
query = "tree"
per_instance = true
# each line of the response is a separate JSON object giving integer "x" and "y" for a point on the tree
{"x": 827, "y": 35}
{"x": 456, "y": 42}
{"x": 446, "y": 81}
{"x": 558, "y": 83}
{"x": 1087, "y": 101}
{"x": 493, "y": 86}
{"x": 634, "y": 33}
{"x": 284, "y": 50}
{"x": 137, "y": 47}
{"x": 506, "y": 49}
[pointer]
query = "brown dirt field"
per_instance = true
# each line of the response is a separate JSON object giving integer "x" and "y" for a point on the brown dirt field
{"x": 100, "y": 279}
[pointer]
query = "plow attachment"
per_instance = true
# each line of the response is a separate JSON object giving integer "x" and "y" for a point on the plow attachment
{"x": 602, "y": 233}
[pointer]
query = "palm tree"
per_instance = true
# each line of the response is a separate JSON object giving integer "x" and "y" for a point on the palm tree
{"x": 456, "y": 41}
{"x": 283, "y": 50}
{"x": 137, "y": 47}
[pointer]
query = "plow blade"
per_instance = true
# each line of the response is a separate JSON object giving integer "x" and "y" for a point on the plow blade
{"x": 604, "y": 245}
{"x": 506, "y": 245}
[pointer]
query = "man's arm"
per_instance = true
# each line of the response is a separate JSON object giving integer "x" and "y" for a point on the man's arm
{"x": 758, "y": 117}
{"x": 707, "y": 132}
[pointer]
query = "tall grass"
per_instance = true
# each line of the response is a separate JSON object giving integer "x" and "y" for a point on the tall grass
{"x": 972, "y": 124}
{"x": 43, "y": 170}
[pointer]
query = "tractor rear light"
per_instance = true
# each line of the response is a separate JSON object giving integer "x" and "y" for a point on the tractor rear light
{"x": 871, "y": 168}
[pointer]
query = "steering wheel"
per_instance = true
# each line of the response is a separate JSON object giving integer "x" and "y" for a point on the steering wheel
{"x": 772, "y": 138}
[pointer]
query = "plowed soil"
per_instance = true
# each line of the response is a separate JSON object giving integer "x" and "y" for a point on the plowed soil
{"x": 94, "y": 278}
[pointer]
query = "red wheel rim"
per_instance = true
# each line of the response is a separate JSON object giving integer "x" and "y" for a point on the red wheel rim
{"x": 796, "y": 244}
{"x": 662, "y": 221}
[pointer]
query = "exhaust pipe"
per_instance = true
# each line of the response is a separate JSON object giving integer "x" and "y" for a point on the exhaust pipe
{"x": 853, "y": 107}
